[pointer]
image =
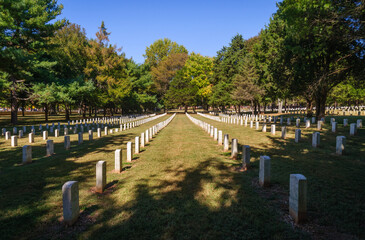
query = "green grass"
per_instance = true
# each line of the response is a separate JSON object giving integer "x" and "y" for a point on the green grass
{"x": 182, "y": 186}
{"x": 336, "y": 193}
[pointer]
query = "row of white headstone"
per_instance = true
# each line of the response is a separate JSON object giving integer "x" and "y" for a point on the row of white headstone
{"x": 340, "y": 140}
{"x": 298, "y": 182}
{"x": 70, "y": 190}
{"x": 27, "y": 149}
{"x": 108, "y": 121}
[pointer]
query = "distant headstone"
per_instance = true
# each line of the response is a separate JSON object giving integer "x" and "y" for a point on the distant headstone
{"x": 315, "y": 139}
{"x": 142, "y": 140}
{"x": 273, "y": 129}
{"x": 45, "y": 135}
{"x": 220, "y": 137}
{"x": 264, "y": 127}
{"x": 7, "y": 135}
{"x": 334, "y": 127}
{"x": 136, "y": 145}
{"x": 226, "y": 143}
{"x": 90, "y": 135}
{"x": 283, "y": 132}
{"x": 298, "y": 135}
{"x": 67, "y": 142}
{"x": 340, "y": 144}
{"x": 31, "y": 137}
{"x": 234, "y": 152}
{"x": 80, "y": 138}
{"x": 345, "y": 122}
{"x": 14, "y": 141}
{"x": 129, "y": 152}
{"x": 352, "y": 129}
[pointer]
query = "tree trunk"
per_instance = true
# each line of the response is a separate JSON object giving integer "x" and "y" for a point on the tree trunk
{"x": 23, "y": 108}
{"x": 309, "y": 108}
{"x": 285, "y": 104}
{"x": 280, "y": 106}
{"x": 14, "y": 105}
{"x": 46, "y": 112}
{"x": 186, "y": 108}
{"x": 67, "y": 113}
{"x": 104, "y": 111}
{"x": 83, "y": 111}
{"x": 321, "y": 105}
{"x": 252, "y": 108}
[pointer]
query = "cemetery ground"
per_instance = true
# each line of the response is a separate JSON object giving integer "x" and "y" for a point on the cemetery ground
{"x": 182, "y": 186}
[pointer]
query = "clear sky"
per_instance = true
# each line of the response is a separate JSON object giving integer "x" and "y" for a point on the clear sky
{"x": 201, "y": 26}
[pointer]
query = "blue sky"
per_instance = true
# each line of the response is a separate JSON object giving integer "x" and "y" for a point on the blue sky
{"x": 201, "y": 26}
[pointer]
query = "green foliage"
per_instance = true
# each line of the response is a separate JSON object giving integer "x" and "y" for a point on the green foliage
{"x": 166, "y": 70}
{"x": 246, "y": 89}
{"x": 160, "y": 49}
{"x": 107, "y": 69}
{"x": 142, "y": 92}
{"x": 69, "y": 51}
{"x": 315, "y": 45}
{"x": 182, "y": 91}
{"x": 199, "y": 70}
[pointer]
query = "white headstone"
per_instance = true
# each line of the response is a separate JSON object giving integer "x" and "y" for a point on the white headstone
{"x": 67, "y": 142}
{"x": 49, "y": 148}
{"x": 298, "y": 135}
{"x": 315, "y": 139}
{"x": 100, "y": 176}
{"x": 14, "y": 141}
{"x": 246, "y": 156}
{"x": 118, "y": 160}
{"x": 265, "y": 169}
{"x": 129, "y": 152}
{"x": 234, "y": 152}
{"x": 226, "y": 143}
{"x": 27, "y": 154}
{"x": 340, "y": 144}
{"x": 70, "y": 200}
{"x": 136, "y": 145}
{"x": 298, "y": 197}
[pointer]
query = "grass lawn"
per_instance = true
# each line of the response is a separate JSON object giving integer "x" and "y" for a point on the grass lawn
{"x": 182, "y": 186}
{"x": 336, "y": 189}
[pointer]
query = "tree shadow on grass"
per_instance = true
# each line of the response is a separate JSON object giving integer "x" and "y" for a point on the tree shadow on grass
{"x": 336, "y": 194}
{"x": 25, "y": 189}
{"x": 178, "y": 209}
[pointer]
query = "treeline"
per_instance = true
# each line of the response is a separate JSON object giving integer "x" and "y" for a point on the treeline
{"x": 311, "y": 53}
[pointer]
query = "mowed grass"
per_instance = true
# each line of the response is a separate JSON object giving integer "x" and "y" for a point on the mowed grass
{"x": 336, "y": 188}
{"x": 181, "y": 186}
{"x": 31, "y": 196}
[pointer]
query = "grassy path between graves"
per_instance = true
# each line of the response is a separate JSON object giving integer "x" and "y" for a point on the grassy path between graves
{"x": 31, "y": 195}
{"x": 336, "y": 193}
{"x": 184, "y": 187}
